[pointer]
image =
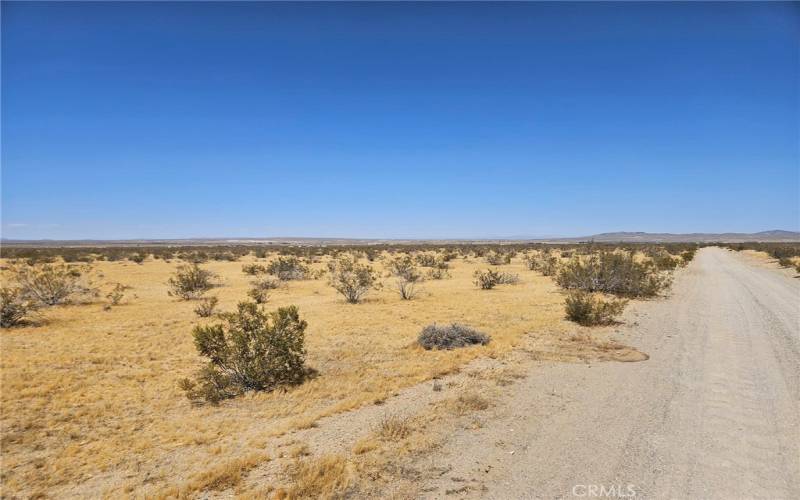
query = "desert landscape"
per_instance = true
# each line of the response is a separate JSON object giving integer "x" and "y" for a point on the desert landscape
{"x": 399, "y": 250}
{"x": 94, "y": 406}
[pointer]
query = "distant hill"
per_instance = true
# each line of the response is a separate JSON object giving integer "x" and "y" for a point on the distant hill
{"x": 775, "y": 235}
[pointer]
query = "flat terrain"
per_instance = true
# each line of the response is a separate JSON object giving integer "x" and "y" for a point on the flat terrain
{"x": 91, "y": 405}
{"x": 692, "y": 395}
{"x": 714, "y": 412}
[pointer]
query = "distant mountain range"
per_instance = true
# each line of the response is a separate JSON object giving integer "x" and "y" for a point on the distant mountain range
{"x": 620, "y": 237}
{"x": 775, "y": 235}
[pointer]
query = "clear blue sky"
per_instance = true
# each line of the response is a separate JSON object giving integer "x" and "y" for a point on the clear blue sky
{"x": 154, "y": 120}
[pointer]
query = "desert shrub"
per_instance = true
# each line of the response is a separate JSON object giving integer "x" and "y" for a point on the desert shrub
{"x": 688, "y": 255}
{"x": 261, "y": 288}
{"x": 50, "y": 284}
{"x": 137, "y": 257}
{"x": 544, "y": 262}
{"x": 486, "y": 280}
{"x": 251, "y": 350}
{"x": 427, "y": 259}
{"x": 407, "y": 276}
{"x": 785, "y": 262}
{"x": 548, "y": 265}
{"x": 617, "y": 273}
{"x": 351, "y": 279}
{"x": 437, "y": 273}
{"x": 665, "y": 262}
{"x": 797, "y": 266}
{"x": 190, "y": 281}
{"x": 15, "y": 308}
{"x": 206, "y": 307}
{"x": 508, "y": 279}
{"x": 253, "y": 269}
{"x": 288, "y": 268}
{"x": 116, "y": 294}
{"x": 587, "y": 310}
{"x": 260, "y": 253}
{"x": 530, "y": 260}
{"x": 498, "y": 258}
{"x": 224, "y": 256}
{"x": 451, "y": 337}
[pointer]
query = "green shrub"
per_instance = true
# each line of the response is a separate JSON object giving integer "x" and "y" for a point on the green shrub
{"x": 116, "y": 294}
{"x": 351, "y": 279}
{"x": 261, "y": 288}
{"x": 665, "y": 262}
{"x": 288, "y": 268}
{"x": 508, "y": 279}
{"x": 137, "y": 257}
{"x": 486, "y": 280}
{"x": 498, "y": 258}
{"x": 407, "y": 276}
{"x": 253, "y": 269}
{"x": 50, "y": 284}
{"x": 450, "y": 337}
{"x": 688, "y": 255}
{"x": 587, "y": 310}
{"x": 206, "y": 307}
{"x": 612, "y": 272}
{"x": 15, "y": 309}
{"x": 544, "y": 262}
{"x": 437, "y": 273}
{"x": 427, "y": 259}
{"x": 251, "y": 350}
{"x": 190, "y": 281}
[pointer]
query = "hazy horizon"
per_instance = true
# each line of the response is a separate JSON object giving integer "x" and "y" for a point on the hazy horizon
{"x": 397, "y": 120}
{"x": 368, "y": 238}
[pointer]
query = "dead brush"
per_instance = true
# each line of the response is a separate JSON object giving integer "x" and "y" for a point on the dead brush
{"x": 451, "y": 337}
{"x": 327, "y": 477}
{"x": 469, "y": 402}
{"x": 394, "y": 428}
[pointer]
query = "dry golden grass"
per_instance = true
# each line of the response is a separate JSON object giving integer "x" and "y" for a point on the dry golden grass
{"x": 90, "y": 404}
{"x": 323, "y": 478}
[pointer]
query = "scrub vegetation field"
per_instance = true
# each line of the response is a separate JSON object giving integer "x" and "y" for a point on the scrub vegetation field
{"x": 175, "y": 371}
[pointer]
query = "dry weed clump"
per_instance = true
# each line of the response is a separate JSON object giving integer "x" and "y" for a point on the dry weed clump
{"x": 451, "y": 337}
{"x": 394, "y": 428}
{"x": 327, "y": 477}
{"x": 469, "y": 402}
{"x": 218, "y": 478}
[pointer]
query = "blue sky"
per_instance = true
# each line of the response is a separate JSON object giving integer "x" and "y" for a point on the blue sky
{"x": 449, "y": 120}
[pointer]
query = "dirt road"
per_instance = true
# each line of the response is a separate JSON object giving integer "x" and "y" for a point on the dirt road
{"x": 714, "y": 412}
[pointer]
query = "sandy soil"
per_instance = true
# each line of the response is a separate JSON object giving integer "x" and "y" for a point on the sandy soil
{"x": 713, "y": 413}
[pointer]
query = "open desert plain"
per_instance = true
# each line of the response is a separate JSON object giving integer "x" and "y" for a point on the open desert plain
{"x": 694, "y": 388}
